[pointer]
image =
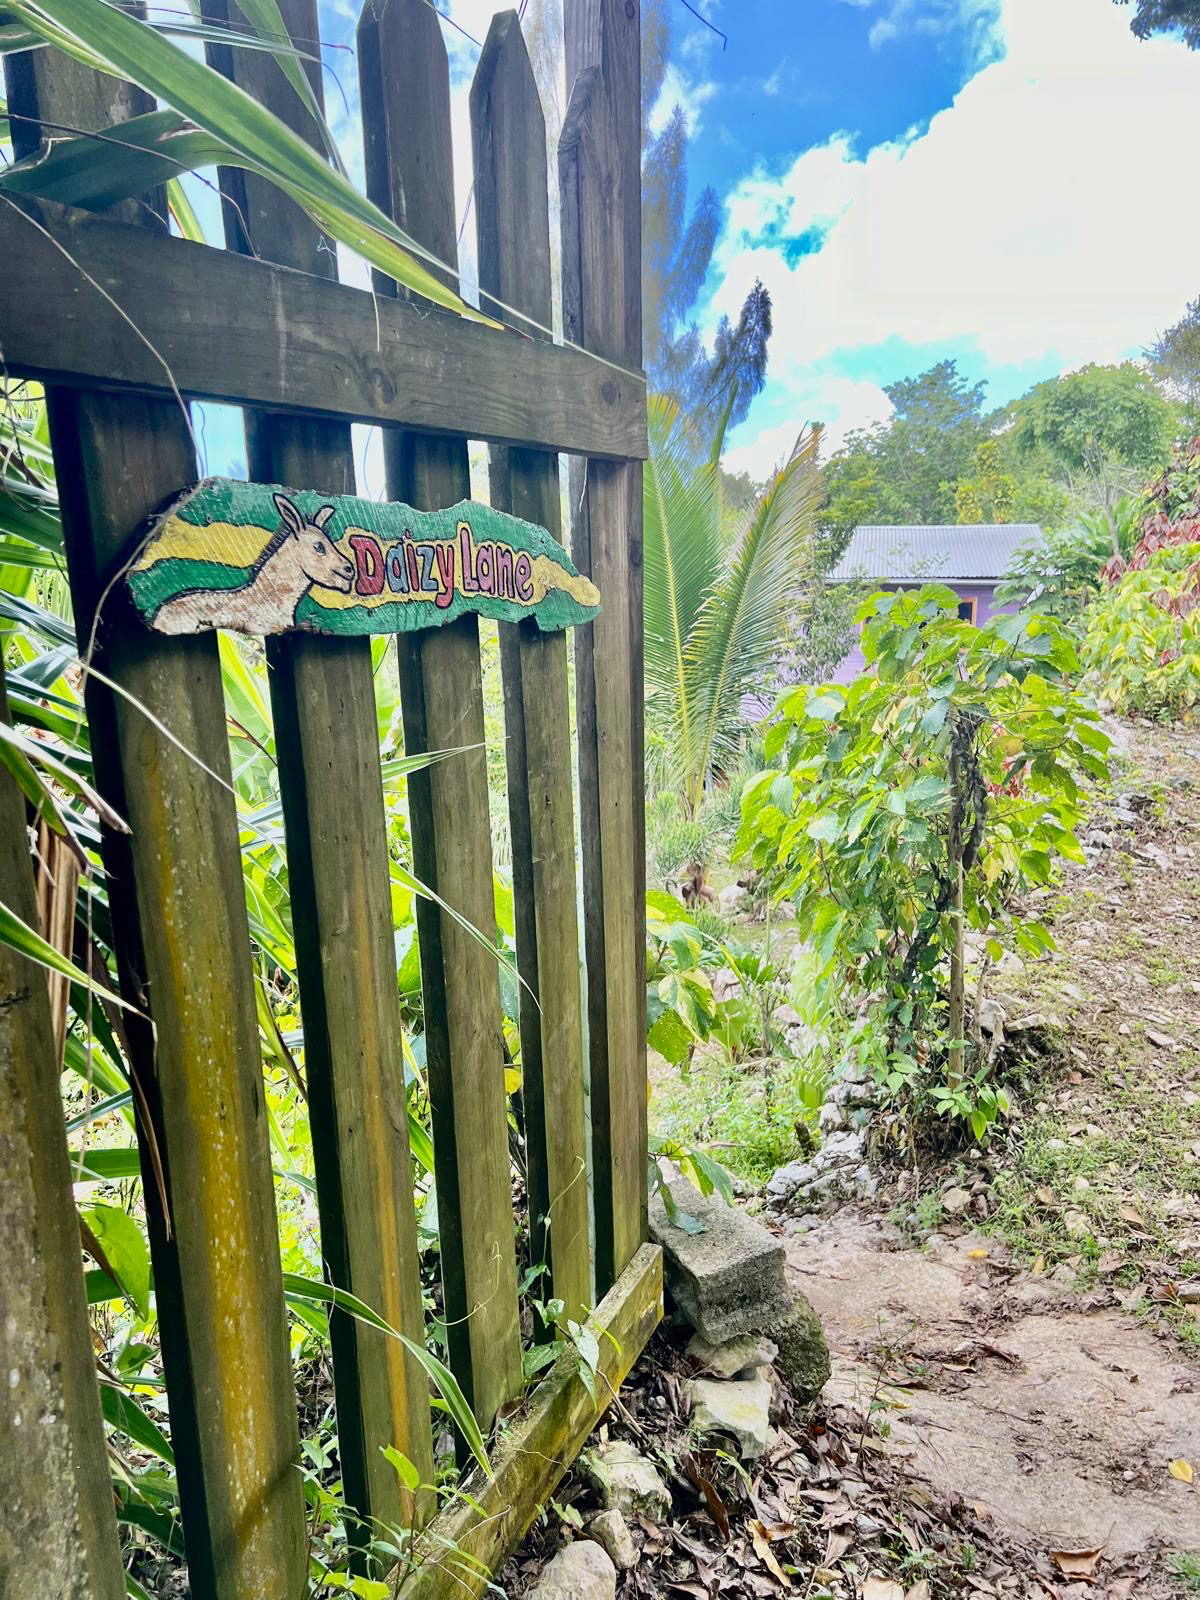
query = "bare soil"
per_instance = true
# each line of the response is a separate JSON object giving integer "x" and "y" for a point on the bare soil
{"x": 1053, "y": 1418}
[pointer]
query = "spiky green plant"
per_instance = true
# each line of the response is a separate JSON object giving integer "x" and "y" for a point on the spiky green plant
{"x": 718, "y": 584}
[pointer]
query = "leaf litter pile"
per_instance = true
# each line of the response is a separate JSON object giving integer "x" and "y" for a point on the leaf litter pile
{"x": 828, "y": 1511}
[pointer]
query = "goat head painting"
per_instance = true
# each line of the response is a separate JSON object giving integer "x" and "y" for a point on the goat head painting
{"x": 262, "y": 559}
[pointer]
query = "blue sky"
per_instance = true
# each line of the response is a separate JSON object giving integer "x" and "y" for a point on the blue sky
{"x": 992, "y": 180}
{"x": 1000, "y": 181}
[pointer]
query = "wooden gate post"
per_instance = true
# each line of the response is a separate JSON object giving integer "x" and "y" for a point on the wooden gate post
{"x": 183, "y": 946}
{"x": 601, "y": 209}
{"x": 58, "y": 1535}
{"x": 512, "y": 208}
{"x": 406, "y": 121}
{"x": 327, "y": 743}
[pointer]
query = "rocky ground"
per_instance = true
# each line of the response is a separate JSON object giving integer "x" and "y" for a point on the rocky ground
{"x": 1014, "y": 1406}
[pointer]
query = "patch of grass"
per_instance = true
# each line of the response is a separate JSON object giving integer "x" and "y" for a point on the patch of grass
{"x": 1184, "y": 1567}
{"x": 754, "y": 1117}
{"x": 922, "y": 1217}
{"x": 1163, "y": 970}
{"x": 1101, "y": 1169}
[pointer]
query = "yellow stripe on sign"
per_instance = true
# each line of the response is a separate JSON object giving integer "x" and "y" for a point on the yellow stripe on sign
{"x": 225, "y": 542}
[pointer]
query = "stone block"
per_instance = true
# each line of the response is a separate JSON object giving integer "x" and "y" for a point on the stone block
{"x": 734, "y": 1359}
{"x": 611, "y": 1532}
{"x": 803, "y": 1359}
{"x": 627, "y": 1482}
{"x": 726, "y": 1280}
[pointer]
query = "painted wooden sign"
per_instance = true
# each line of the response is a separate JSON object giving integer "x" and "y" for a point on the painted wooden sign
{"x": 262, "y": 559}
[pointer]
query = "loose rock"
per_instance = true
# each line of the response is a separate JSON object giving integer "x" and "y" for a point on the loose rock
{"x": 580, "y": 1572}
{"x": 627, "y": 1482}
{"x": 734, "y": 1359}
{"x": 742, "y": 1410}
{"x": 611, "y": 1532}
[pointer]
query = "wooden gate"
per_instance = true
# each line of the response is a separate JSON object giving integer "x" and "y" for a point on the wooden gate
{"x": 120, "y": 320}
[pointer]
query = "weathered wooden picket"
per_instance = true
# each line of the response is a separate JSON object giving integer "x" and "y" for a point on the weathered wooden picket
{"x": 119, "y": 319}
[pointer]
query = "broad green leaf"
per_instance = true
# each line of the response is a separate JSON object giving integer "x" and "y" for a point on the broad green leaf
{"x": 104, "y": 1166}
{"x": 125, "y": 1249}
{"x": 825, "y": 706}
{"x": 405, "y": 1471}
{"x": 671, "y": 1037}
{"x": 122, "y": 1411}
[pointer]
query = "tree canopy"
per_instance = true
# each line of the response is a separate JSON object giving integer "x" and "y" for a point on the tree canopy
{"x": 1072, "y": 444}
{"x": 940, "y": 457}
{"x": 1099, "y": 424}
{"x": 1156, "y": 16}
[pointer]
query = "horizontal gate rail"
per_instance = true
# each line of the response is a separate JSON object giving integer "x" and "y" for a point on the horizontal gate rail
{"x": 301, "y": 343}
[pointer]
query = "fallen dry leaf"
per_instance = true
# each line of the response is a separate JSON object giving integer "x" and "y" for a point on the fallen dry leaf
{"x": 762, "y": 1548}
{"x": 919, "y": 1590}
{"x": 838, "y": 1544}
{"x": 1181, "y": 1469}
{"x": 1046, "y": 1196}
{"x": 1077, "y": 1563}
{"x": 876, "y": 1587}
{"x": 1128, "y": 1214}
{"x": 1110, "y": 1261}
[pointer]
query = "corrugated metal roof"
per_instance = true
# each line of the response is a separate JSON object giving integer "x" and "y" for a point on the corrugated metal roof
{"x": 970, "y": 553}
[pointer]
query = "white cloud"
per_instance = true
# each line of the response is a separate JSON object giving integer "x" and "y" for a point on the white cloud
{"x": 938, "y": 18}
{"x": 1043, "y": 216}
{"x": 841, "y": 404}
{"x": 688, "y": 94}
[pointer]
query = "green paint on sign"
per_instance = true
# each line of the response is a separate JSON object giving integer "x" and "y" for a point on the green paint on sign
{"x": 262, "y": 559}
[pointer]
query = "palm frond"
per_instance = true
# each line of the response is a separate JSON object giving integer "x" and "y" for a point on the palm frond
{"x": 682, "y": 556}
{"x": 737, "y": 633}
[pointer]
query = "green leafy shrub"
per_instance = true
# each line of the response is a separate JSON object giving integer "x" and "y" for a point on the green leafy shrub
{"x": 1143, "y": 636}
{"x": 916, "y": 802}
{"x": 753, "y": 1123}
{"x": 678, "y": 843}
{"x": 1059, "y": 572}
{"x": 1142, "y": 644}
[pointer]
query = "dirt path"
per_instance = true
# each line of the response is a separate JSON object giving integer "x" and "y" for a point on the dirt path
{"x": 1030, "y": 1344}
{"x": 1052, "y": 1419}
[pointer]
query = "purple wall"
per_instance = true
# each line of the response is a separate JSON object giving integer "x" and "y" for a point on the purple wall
{"x": 986, "y": 607}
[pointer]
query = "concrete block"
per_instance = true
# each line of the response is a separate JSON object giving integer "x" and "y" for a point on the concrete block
{"x": 726, "y": 1280}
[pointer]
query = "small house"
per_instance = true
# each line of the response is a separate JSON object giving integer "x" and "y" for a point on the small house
{"x": 970, "y": 558}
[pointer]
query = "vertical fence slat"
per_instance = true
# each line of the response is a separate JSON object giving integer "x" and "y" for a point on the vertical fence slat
{"x": 177, "y": 898}
{"x": 406, "y": 117}
{"x": 58, "y": 1535}
{"x": 513, "y": 213}
{"x": 327, "y": 743}
{"x": 600, "y": 206}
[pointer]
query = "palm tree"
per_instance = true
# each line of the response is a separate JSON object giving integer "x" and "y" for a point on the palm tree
{"x": 718, "y": 585}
